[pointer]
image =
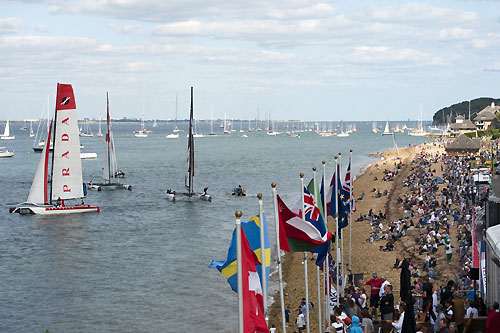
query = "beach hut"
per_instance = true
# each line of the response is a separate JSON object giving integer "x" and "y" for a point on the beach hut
{"x": 464, "y": 145}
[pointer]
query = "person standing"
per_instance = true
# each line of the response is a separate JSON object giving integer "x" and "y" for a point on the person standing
{"x": 399, "y": 324}
{"x": 493, "y": 321}
{"x": 301, "y": 322}
{"x": 427, "y": 297}
{"x": 375, "y": 284}
{"x": 387, "y": 303}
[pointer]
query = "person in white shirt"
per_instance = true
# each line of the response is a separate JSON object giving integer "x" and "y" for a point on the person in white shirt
{"x": 384, "y": 283}
{"x": 399, "y": 324}
{"x": 471, "y": 311}
{"x": 301, "y": 322}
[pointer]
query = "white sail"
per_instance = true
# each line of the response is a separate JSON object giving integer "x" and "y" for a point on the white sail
{"x": 6, "y": 131}
{"x": 67, "y": 180}
{"x": 38, "y": 190}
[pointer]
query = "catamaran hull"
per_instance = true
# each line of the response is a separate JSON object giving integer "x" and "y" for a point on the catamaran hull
{"x": 188, "y": 197}
{"x": 109, "y": 187}
{"x": 54, "y": 210}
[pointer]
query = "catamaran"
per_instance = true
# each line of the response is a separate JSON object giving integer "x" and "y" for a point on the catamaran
{"x": 6, "y": 133}
{"x": 48, "y": 198}
{"x": 189, "y": 181}
{"x": 110, "y": 170}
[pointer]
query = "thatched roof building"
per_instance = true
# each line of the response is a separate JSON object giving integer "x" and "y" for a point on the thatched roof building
{"x": 463, "y": 144}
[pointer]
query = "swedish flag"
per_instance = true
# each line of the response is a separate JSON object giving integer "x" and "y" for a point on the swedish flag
{"x": 252, "y": 231}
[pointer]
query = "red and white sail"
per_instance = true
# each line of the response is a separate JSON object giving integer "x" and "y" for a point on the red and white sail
{"x": 67, "y": 180}
{"x": 38, "y": 190}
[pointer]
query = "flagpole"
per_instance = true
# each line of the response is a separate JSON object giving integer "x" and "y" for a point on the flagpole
{"x": 263, "y": 256}
{"x": 305, "y": 254}
{"x": 317, "y": 267}
{"x": 337, "y": 226}
{"x": 341, "y": 238}
{"x": 278, "y": 255}
{"x": 351, "y": 200}
{"x": 238, "y": 215}
{"x": 326, "y": 265}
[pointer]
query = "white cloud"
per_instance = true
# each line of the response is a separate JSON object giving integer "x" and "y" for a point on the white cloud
{"x": 123, "y": 28}
{"x": 141, "y": 66}
{"x": 455, "y": 33}
{"x": 10, "y": 25}
{"x": 390, "y": 56}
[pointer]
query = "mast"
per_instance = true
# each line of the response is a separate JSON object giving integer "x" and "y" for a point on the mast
{"x": 191, "y": 147}
{"x": 108, "y": 136}
{"x": 53, "y": 146}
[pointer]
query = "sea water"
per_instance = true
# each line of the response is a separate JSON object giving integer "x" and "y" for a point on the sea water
{"x": 141, "y": 265}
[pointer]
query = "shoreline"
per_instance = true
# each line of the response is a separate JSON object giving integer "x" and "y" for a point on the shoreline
{"x": 366, "y": 257}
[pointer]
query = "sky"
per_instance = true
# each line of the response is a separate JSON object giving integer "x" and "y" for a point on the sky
{"x": 292, "y": 59}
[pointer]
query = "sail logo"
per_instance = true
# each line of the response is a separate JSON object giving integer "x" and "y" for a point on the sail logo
{"x": 65, "y": 100}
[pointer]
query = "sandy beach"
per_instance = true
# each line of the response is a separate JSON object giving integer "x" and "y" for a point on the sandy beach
{"x": 366, "y": 257}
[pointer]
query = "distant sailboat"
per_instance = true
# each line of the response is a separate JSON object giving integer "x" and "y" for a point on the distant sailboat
{"x": 176, "y": 130}
{"x": 39, "y": 142}
{"x": 111, "y": 173}
{"x": 212, "y": 133}
{"x": 48, "y": 198}
{"x": 142, "y": 133}
{"x": 155, "y": 124}
{"x": 87, "y": 131}
{"x": 226, "y": 131}
{"x": 374, "y": 128}
{"x": 420, "y": 128}
{"x": 342, "y": 134}
{"x": 387, "y": 131}
{"x": 99, "y": 134}
{"x": 5, "y": 153}
{"x": 189, "y": 181}
{"x": 7, "y": 135}
{"x": 32, "y": 134}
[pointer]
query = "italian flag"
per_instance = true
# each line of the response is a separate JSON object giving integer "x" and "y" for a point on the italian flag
{"x": 296, "y": 234}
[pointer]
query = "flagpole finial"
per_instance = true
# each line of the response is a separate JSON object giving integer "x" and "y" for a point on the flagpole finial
{"x": 340, "y": 153}
{"x": 323, "y": 162}
{"x": 273, "y": 185}
{"x": 314, "y": 169}
{"x": 350, "y": 150}
{"x": 238, "y": 214}
{"x": 259, "y": 196}
{"x": 301, "y": 175}
{"x": 335, "y": 156}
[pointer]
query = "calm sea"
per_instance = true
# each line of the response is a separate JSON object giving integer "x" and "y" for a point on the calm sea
{"x": 141, "y": 264}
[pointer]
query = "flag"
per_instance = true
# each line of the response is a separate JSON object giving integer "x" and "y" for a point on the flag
{"x": 347, "y": 186}
{"x": 296, "y": 234}
{"x": 342, "y": 203}
{"x": 253, "y": 308}
{"x": 332, "y": 270}
{"x": 313, "y": 216}
{"x": 252, "y": 230}
{"x": 313, "y": 191}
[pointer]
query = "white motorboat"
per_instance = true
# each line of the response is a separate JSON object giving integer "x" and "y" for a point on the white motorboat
{"x": 172, "y": 136}
{"x": 5, "y": 153}
{"x": 48, "y": 198}
{"x": 110, "y": 170}
{"x": 191, "y": 194}
{"x": 88, "y": 156}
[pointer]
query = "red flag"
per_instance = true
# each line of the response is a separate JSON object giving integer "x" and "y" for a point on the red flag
{"x": 65, "y": 99}
{"x": 253, "y": 308}
{"x": 475, "y": 253}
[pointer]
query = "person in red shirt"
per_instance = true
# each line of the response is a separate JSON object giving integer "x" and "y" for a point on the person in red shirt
{"x": 375, "y": 283}
{"x": 493, "y": 321}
